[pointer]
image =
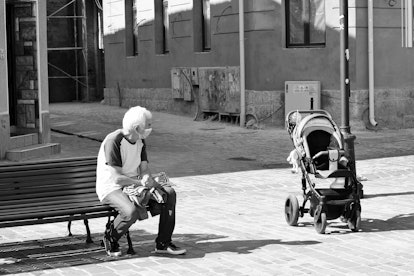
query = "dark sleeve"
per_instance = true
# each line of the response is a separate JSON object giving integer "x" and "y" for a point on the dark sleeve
{"x": 144, "y": 156}
{"x": 112, "y": 150}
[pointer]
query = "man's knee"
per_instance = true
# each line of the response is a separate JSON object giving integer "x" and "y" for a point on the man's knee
{"x": 130, "y": 214}
{"x": 171, "y": 195}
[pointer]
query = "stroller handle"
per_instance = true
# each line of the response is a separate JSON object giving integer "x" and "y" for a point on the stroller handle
{"x": 325, "y": 152}
{"x": 311, "y": 111}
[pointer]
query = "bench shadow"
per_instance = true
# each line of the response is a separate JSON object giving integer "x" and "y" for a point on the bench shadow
{"x": 53, "y": 253}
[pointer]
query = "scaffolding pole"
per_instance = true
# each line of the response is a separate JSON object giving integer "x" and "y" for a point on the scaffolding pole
{"x": 80, "y": 41}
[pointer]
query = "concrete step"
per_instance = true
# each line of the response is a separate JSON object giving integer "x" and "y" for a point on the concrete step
{"x": 32, "y": 151}
{"x": 23, "y": 140}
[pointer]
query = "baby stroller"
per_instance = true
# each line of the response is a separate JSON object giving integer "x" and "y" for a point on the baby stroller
{"x": 328, "y": 184}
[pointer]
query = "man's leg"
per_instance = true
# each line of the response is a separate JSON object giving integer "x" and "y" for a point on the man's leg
{"x": 127, "y": 215}
{"x": 167, "y": 217}
{"x": 167, "y": 224}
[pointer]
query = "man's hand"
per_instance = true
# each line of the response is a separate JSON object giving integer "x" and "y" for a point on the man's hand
{"x": 149, "y": 182}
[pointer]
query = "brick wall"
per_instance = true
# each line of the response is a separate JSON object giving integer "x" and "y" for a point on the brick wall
{"x": 26, "y": 85}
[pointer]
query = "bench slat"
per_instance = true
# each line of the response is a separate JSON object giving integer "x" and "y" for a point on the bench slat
{"x": 74, "y": 184}
{"x": 57, "y": 163}
{"x": 99, "y": 214}
{"x": 23, "y": 176}
{"x": 53, "y": 213}
{"x": 50, "y": 194}
{"x": 52, "y": 200}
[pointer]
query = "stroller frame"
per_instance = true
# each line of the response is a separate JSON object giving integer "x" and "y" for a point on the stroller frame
{"x": 342, "y": 198}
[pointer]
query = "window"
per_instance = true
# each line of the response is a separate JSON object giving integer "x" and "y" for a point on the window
{"x": 206, "y": 25}
{"x": 166, "y": 28}
{"x": 161, "y": 27}
{"x": 305, "y": 23}
{"x": 100, "y": 30}
{"x": 201, "y": 25}
{"x": 131, "y": 28}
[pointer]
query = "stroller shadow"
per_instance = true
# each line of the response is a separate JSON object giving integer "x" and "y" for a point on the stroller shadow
{"x": 388, "y": 194}
{"x": 368, "y": 225}
{"x": 38, "y": 255}
{"x": 399, "y": 222}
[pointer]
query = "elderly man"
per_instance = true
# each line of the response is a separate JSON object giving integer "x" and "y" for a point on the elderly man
{"x": 122, "y": 161}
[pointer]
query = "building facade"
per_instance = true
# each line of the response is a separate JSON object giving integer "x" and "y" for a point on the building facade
{"x": 183, "y": 56}
{"x": 50, "y": 51}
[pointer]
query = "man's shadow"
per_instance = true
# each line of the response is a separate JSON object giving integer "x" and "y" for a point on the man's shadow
{"x": 36, "y": 255}
{"x": 199, "y": 245}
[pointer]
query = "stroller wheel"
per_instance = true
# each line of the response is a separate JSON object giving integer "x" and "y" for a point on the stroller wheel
{"x": 320, "y": 222}
{"x": 355, "y": 221}
{"x": 292, "y": 210}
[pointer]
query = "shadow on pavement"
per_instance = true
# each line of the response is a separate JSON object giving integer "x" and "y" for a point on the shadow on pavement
{"x": 200, "y": 249}
{"x": 399, "y": 222}
{"x": 388, "y": 194}
{"x": 37, "y": 255}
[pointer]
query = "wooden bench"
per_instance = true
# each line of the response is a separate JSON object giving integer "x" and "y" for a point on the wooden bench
{"x": 51, "y": 191}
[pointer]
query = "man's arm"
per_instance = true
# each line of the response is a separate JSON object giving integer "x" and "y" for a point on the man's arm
{"x": 121, "y": 179}
{"x": 145, "y": 173}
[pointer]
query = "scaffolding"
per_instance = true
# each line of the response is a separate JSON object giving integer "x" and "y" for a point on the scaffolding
{"x": 80, "y": 48}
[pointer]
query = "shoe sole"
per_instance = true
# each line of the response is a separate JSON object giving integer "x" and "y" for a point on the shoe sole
{"x": 108, "y": 252}
{"x": 170, "y": 252}
{"x": 114, "y": 254}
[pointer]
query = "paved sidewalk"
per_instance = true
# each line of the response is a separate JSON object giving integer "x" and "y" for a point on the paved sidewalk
{"x": 231, "y": 185}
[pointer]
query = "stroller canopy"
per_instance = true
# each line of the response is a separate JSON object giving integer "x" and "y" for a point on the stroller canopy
{"x": 316, "y": 132}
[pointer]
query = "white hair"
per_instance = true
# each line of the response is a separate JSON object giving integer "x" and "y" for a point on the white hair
{"x": 135, "y": 116}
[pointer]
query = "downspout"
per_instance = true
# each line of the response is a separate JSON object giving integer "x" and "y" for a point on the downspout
{"x": 409, "y": 25}
{"x": 371, "y": 63}
{"x": 242, "y": 65}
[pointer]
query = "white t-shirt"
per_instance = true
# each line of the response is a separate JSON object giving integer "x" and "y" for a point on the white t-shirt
{"x": 116, "y": 150}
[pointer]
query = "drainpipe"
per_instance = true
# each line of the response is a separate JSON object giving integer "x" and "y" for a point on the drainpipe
{"x": 242, "y": 65}
{"x": 371, "y": 63}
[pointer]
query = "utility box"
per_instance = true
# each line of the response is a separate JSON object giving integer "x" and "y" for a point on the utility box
{"x": 220, "y": 89}
{"x": 181, "y": 80}
{"x": 302, "y": 95}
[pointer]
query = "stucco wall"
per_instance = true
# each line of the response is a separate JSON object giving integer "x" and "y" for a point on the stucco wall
{"x": 268, "y": 63}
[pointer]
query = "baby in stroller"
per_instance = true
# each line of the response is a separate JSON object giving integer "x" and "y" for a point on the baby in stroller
{"x": 321, "y": 159}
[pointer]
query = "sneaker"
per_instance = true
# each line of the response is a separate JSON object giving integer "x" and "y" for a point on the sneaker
{"x": 111, "y": 247}
{"x": 170, "y": 248}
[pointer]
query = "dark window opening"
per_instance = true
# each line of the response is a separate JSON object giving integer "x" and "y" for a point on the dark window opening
{"x": 206, "y": 25}
{"x": 305, "y": 23}
{"x": 165, "y": 20}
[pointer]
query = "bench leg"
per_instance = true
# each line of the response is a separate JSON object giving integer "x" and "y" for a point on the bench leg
{"x": 69, "y": 225}
{"x": 88, "y": 232}
{"x": 130, "y": 247}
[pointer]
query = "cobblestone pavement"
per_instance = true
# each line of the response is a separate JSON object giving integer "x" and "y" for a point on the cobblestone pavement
{"x": 231, "y": 185}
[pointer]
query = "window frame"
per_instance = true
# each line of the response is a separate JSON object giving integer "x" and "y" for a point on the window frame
{"x": 131, "y": 28}
{"x": 202, "y": 25}
{"x": 306, "y": 29}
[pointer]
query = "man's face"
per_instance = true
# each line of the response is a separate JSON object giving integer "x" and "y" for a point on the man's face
{"x": 139, "y": 133}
